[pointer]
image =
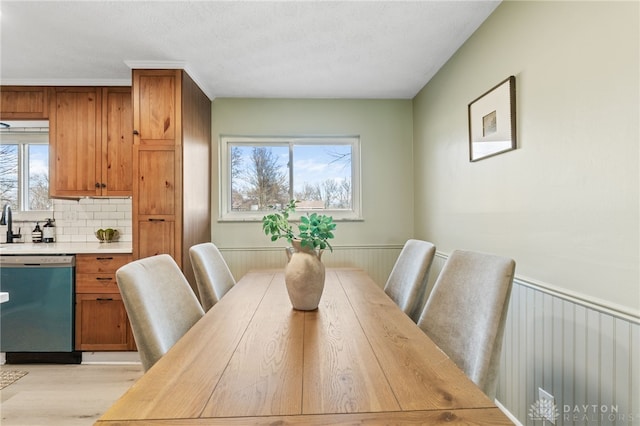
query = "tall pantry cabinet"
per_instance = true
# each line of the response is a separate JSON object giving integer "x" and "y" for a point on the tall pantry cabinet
{"x": 171, "y": 154}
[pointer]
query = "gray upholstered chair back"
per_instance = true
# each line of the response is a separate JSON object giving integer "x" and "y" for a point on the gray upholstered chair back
{"x": 408, "y": 279}
{"x": 213, "y": 277}
{"x": 466, "y": 312}
{"x": 160, "y": 304}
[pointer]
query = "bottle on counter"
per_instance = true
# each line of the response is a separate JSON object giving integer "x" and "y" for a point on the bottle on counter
{"x": 49, "y": 232}
{"x": 36, "y": 234}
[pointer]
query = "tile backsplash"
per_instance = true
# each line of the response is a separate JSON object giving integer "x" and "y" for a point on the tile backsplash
{"x": 77, "y": 220}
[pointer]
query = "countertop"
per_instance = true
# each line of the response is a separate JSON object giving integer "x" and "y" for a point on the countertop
{"x": 65, "y": 248}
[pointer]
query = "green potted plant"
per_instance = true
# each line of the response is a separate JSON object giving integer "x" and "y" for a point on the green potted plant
{"x": 304, "y": 272}
{"x": 314, "y": 230}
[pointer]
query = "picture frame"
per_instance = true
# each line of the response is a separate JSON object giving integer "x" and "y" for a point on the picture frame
{"x": 492, "y": 121}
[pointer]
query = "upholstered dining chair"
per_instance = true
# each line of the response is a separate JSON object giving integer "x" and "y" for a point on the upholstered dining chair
{"x": 466, "y": 311}
{"x": 160, "y": 304}
{"x": 407, "y": 282}
{"x": 213, "y": 277}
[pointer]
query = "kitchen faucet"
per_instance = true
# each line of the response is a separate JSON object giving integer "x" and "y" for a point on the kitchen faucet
{"x": 7, "y": 219}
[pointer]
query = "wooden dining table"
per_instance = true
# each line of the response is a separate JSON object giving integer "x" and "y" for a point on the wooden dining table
{"x": 252, "y": 359}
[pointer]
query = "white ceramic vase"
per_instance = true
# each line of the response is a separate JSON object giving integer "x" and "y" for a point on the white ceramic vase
{"x": 304, "y": 277}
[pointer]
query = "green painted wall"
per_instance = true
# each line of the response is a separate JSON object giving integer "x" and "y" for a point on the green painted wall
{"x": 385, "y": 129}
{"x": 565, "y": 203}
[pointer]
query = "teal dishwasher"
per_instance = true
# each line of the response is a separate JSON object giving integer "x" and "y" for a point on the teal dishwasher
{"x": 38, "y": 318}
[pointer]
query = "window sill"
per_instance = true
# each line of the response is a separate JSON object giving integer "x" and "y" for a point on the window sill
{"x": 249, "y": 217}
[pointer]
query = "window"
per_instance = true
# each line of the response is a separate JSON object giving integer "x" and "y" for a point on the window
{"x": 24, "y": 171}
{"x": 257, "y": 174}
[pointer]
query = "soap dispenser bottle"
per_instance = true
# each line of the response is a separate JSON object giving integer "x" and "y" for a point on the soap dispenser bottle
{"x": 36, "y": 234}
{"x": 49, "y": 232}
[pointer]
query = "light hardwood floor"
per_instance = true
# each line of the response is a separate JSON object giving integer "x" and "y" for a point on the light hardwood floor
{"x": 65, "y": 395}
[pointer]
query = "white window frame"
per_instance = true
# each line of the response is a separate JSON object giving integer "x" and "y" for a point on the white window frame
{"x": 225, "y": 212}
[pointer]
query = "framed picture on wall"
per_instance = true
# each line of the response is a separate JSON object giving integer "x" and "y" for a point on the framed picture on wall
{"x": 492, "y": 121}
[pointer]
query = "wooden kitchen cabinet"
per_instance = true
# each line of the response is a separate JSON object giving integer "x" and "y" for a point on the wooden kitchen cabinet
{"x": 157, "y": 204}
{"x": 90, "y": 142}
{"x": 171, "y": 202}
{"x": 116, "y": 161}
{"x": 157, "y": 236}
{"x": 74, "y": 135}
{"x": 101, "y": 319}
{"x": 24, "y": 102}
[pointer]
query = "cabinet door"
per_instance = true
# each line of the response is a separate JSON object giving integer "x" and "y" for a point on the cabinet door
{"x": 117, "y": 142}
{"x": 24, "y": 102}
{"x": 156, "y": 181}
{"x": 74, "y": 148}
{"x": 102, "y": 323}
{"x": 156, "y": 95}
{"x": 155, "y": 236}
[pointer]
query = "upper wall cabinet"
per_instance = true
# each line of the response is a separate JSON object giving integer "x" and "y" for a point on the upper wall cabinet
{"x": 90, "y": 142}
{"x": 158, "y": 112}
{"x": 24, "y": 102}
{"x": 117, "y": 142}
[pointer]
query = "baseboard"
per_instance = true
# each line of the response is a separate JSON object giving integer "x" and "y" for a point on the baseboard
{"x": 110, "y": 358}
{"x": 508, "y": 413}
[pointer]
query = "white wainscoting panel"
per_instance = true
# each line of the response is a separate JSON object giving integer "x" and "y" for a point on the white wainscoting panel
{"x": 376, "y": 260}
{"x": 586, "y": 356}
{"x": 587, "y": 359}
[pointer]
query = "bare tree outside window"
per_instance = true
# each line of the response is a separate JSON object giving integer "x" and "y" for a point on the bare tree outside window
{"x": 38, "y": 195}
{"x": 9, "y": 175}
{"x": 24, "y": 172}
{"x": 259, "y": 177}
{"x": 325, "y": 168}
{"x": 267, "y": 172}
{"x": 267, "y": 178}
{"x": 309, "y": 192}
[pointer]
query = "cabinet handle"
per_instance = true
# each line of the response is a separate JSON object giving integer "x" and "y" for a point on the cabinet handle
{"x": 103, "y": 279}
{"x": 97, "y": 184}
{"x": 104, "y": 258}
{"x": 135, "y": 132}
{"x": 103, "y": 185}
{"x": 155, "y": 220}
{"x": 104, "y": 299}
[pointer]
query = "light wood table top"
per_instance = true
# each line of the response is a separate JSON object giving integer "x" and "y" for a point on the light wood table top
{"x": 253, "y": 359}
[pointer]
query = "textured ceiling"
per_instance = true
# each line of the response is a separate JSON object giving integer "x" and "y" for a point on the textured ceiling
{"x": 311, "y": 49}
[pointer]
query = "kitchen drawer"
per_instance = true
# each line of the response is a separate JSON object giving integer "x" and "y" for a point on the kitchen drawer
{"x": 96, "y": 283}
{"x": 100, "y": 263}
